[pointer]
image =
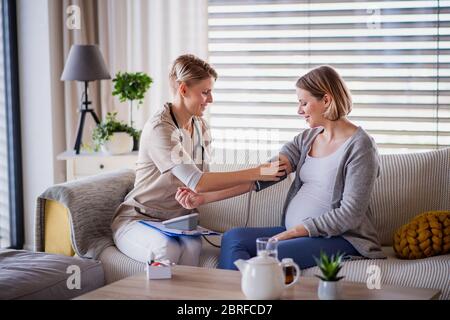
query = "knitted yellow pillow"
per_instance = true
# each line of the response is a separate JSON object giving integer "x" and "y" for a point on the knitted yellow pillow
{"x": 428, "y": 234}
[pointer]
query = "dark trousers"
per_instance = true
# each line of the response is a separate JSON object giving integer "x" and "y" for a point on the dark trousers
{"x": 240, "y": 243}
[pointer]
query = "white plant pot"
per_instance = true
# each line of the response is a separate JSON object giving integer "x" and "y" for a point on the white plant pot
{"x": 120, "y": 142}
{"x": 328, "y": 290}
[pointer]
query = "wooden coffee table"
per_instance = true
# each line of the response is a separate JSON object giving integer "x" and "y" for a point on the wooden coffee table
{"x": 194, "y": 283}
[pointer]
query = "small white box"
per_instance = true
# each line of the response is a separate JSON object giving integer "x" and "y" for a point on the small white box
{"x": 159, "y": 272}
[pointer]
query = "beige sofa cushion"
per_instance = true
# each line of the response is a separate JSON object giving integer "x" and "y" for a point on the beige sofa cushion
{"x": 409, "y": 184}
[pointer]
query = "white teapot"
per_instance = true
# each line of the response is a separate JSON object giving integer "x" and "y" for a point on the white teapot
{"x": 263, "y": 277}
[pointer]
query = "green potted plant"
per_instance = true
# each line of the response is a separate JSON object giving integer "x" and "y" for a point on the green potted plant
{"x": 330, "y": 267}
{"x": 131, "y": 86}
{"x": 113, "y": 136}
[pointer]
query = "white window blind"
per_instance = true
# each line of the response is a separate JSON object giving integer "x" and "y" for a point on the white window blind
{"x": 4, "y": 189}
{"x": 394, "y": 56}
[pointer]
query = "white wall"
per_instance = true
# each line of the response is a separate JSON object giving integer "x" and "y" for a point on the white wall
{"x": 40, "y": 167}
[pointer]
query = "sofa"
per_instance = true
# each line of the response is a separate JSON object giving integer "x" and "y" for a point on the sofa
{"x": 74, "y": 218}
{"x": 28, "y": 275}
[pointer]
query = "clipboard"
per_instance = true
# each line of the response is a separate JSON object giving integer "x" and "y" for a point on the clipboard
{"x": 176, "y": 232}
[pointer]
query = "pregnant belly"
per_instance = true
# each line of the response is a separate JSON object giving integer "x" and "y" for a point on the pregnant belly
{"x": 305, "y": 206}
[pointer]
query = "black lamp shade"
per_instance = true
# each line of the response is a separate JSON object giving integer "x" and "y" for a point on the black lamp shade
{"x": 85, "y": 63}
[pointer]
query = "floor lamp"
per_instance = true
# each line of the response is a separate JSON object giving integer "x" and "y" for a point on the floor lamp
{"x": 84, "y": 63}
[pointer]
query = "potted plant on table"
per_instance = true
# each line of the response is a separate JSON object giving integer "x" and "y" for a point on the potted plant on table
{"x": 113, "y": 136}
{"x": 330, "y": 267}
{"x": 131, "y": 87}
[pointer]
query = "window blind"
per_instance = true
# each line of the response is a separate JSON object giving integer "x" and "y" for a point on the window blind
{"x": 4, "y": 189}
{"x": 394, "y": 56}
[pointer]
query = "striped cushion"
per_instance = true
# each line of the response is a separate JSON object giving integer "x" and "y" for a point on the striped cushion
{"x": 409, "y": 184}
{"x": 209, "y": 257}
{"x": 423, "y": 273}
{"x": 117, "y": 266}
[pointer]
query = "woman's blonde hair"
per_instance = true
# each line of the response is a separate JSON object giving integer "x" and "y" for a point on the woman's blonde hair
{"x": 189, "y": 69}
{"x": 325, "y": 80}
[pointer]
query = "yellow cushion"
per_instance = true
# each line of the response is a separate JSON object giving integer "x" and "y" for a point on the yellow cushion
{"x": 57, "y": 229}
{"x": 428, "y": 234}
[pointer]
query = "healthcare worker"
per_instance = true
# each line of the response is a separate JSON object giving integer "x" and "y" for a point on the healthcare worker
{"x": 174, "y": 151}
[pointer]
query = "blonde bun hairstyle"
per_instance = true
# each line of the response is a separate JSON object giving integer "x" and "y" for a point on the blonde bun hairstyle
{"x": 189, "y": 69}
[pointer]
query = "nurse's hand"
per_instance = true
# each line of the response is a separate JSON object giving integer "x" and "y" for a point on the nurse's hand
{"x": 188, "y": 198}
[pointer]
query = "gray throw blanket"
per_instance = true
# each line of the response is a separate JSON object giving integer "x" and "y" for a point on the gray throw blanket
{"x": 91, "y": 203}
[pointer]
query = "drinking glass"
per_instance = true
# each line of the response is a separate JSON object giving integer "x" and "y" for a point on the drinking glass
{"x": 267, "y": 244}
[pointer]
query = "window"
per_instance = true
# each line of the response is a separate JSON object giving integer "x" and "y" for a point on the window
{"x": 4, "y": 193}
{"x": 11, "y": 203}
{"x": 394, "y": 56}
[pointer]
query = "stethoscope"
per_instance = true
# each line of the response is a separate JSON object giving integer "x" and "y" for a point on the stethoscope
{"x": 199, "y": 137}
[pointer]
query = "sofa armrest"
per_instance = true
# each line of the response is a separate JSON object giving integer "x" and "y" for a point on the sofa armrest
{"x": 91, "y": 203}
{"x": 57, "y": 235}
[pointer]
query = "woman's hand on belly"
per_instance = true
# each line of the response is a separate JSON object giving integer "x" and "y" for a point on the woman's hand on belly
{"x": 298, "y": 231}
{"x": 188, "y": 198}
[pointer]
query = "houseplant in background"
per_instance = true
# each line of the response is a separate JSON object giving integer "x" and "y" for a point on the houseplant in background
{"x": 330, "y": 267}
{"x": 113, "y": 136}
{"x": 131, "y": 86}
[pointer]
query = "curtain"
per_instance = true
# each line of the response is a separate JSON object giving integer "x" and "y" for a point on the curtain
{"x": 133, "y": 36}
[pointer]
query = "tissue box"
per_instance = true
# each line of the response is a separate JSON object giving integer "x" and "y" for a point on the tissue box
{"x": 161, "y": 271}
